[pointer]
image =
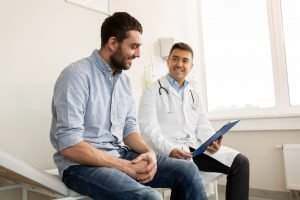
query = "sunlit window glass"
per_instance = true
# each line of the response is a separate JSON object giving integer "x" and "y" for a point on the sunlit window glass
{"x": 237, "y": 54}
{"x": 291, "y": 21}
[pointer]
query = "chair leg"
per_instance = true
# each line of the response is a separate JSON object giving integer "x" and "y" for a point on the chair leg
{"x": 216, "y": 191}
{"x": 24, "y": 193}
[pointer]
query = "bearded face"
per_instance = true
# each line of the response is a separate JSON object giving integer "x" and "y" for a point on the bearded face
{"x": 126, "y": 51}
{"x": 120, "y": 60}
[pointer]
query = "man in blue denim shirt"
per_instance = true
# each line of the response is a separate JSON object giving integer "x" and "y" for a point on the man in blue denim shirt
{"x": 94, "y": 130}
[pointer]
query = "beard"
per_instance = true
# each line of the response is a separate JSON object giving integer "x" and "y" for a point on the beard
{"x": 118, "y": 61}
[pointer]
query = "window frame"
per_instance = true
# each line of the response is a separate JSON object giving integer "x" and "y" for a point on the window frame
{"x": 283, "y": 109}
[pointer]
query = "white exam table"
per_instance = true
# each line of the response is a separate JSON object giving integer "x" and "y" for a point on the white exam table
{"x": 20, "y": 175}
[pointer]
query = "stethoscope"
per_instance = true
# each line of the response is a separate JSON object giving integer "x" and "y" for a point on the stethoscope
{"x": 161, "y": 88}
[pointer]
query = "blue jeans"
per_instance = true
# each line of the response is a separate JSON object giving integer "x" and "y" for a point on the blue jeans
{"x": 102, "y": 183}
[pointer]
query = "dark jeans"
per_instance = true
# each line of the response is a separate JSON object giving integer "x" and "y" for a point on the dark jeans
{"x": 237, "y": 187}
{"x": 104, "y": 183}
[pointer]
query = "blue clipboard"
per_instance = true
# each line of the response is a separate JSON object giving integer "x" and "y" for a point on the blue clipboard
{"x": 214, "y": 137}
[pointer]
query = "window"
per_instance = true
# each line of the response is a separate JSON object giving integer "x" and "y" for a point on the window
{"x": 237, "y": 55}
{"x": 291, "y": 23}
{"x": 247, "y": 70}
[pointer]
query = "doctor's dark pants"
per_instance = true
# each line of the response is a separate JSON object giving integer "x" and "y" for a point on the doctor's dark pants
{"x": 237, "y": 187}
{"x": 102, "y": 183}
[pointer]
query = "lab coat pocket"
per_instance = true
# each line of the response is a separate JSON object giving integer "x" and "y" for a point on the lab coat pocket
{"x": 193, "y": 116}
{"x": 169, "y": 120}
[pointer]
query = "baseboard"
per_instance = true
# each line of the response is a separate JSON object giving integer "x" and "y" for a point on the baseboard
{"x": 269, "y": 194}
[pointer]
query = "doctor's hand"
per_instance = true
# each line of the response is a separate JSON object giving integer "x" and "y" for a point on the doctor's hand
{"x": 145, "y": 173}
{"x": 180, "y": 154}
{"x": 215, "y": 146}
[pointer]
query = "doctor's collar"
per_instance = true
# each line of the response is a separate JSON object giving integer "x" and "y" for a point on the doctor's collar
{"x": 173, "y": 82}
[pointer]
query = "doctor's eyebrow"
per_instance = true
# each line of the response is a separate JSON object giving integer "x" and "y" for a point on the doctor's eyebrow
{"x": 176, "y": 58}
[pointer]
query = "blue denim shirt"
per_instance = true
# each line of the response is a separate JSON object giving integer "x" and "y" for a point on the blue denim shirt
{"x": 179, "y": 89}
{"x": 90, "y": 104}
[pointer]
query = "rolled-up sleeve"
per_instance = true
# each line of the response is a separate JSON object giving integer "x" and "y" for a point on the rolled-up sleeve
{"x": 69, "y": 102}
{"x": 130, "y": 122}
{"x": 131, "y": 118}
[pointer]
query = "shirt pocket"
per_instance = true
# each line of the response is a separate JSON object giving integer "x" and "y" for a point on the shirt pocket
{"x": 122, "y": 111}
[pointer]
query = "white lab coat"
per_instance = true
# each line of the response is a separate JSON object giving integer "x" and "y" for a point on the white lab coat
{"x": 167, "y": 121}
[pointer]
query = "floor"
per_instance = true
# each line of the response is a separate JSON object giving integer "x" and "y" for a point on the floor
{"x": 222, "y": 197}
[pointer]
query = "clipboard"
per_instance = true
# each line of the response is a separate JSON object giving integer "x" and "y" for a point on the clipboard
{"x": 214, "y": 137}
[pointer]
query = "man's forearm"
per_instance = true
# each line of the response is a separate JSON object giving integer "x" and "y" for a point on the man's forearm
{"x": 85, "y": 154}
{"x": 137, "y": 143}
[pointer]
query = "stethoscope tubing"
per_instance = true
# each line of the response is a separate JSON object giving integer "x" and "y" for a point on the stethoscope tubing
{"x": 167, "y": 91}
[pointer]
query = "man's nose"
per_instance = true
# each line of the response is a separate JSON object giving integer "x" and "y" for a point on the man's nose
{"x": 137, "y": 53}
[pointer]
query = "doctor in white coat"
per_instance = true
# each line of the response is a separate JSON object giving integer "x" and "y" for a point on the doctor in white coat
{"x": 173, "y": 121}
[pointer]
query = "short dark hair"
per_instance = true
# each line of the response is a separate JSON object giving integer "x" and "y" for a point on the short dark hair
{"x": 118, "y": 25}
{"x": 182, "y": 46}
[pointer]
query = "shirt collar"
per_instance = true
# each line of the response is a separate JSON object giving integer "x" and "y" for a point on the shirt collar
{"x": 175, "y": 84}
{"x": 101, "y": 63}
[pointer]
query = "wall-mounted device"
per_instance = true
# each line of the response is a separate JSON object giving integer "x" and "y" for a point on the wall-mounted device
{"x": 165, "y": 46}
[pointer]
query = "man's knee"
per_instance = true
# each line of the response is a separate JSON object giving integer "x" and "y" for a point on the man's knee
{"x": 192, "y": 168}
{"x": 189, "y": 170}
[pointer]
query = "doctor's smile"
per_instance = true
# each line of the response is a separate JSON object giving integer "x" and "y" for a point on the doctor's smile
{"x": 179, "y": 64}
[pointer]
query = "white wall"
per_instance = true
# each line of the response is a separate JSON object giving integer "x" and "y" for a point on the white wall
{"x": 168, "y": 18}
{"x": 266, "y": 160}
{"x": 39, "y": 38}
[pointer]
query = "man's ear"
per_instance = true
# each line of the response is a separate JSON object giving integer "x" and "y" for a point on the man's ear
{"x": 112, "y": 44}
